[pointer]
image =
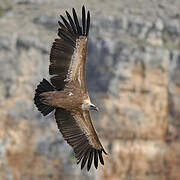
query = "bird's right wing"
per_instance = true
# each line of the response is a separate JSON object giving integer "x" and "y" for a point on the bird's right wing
{"x": 78, "y": 131}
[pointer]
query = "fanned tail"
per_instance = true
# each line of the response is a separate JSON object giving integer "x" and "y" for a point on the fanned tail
{"x": 44, "y": 86}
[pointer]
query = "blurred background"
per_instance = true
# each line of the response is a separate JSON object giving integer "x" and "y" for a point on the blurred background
{"x": 133, "y": 76}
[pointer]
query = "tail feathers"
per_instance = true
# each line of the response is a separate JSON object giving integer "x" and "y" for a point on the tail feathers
{"x": 44, "y": 86}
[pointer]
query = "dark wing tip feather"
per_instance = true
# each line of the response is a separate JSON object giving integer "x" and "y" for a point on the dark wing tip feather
{"x": 100, "y": 157}
{"x": 88, "y": 23}
{"x": 83, "y": 20}
{"x": 104, "y": 152}
{"x": 72, "y": 24}
{"x": 84, "y": 159}
{"x": 89, "y": 155}
{"x": 61, "y": 25}
{"x": 66, "y": 23}
{"x": 79, "y": 30}
{"x": 90, "y": 159}
{"x": 69, "y": 25}
{"x": 95, "y": 159}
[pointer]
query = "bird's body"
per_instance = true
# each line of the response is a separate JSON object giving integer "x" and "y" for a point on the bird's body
{"x": 67, "y": 94}
{"x": 71, "y": 98}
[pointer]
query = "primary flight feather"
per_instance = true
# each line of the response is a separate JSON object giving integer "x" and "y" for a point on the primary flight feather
{"x": 67, "y": 94}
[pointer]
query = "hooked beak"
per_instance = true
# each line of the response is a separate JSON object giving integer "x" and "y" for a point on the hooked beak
{"x": 93, "y": 107}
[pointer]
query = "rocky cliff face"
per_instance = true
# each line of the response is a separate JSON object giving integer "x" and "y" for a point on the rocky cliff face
{"x": 133, "y": 75}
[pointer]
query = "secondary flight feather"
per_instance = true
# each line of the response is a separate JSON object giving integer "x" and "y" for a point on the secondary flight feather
{"x": 67, "y": 93}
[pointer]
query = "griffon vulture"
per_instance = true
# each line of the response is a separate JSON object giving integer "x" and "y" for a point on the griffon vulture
{"x": 67, "y": 93}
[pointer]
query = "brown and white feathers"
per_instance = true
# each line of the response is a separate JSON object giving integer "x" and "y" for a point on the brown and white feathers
{"x": 67, "y": 67}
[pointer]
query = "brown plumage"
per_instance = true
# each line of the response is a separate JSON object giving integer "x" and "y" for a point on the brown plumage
{"x": 68, "y": 95}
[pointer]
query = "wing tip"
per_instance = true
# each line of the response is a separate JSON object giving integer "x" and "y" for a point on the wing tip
{"x": 91, "y": 154}
{"x": 104, "y": 152}
{"x": 72, "y": 24}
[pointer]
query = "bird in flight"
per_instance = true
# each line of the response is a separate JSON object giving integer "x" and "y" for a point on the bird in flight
{"x": 67, "y": 93}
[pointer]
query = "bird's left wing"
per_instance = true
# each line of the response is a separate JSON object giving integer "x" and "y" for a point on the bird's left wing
{"x": 78, "y": 131}
{"x": 68, "y": 54}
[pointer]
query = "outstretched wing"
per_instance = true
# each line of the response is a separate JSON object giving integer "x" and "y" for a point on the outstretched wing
{"x": 68, "y": 54}
{"x": 78, "y": 131}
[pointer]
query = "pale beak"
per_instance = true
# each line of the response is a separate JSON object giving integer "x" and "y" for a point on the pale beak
{"x": 93, "y": 107}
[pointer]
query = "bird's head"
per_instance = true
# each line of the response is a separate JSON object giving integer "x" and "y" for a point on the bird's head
{"x": 89, "y": 106}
